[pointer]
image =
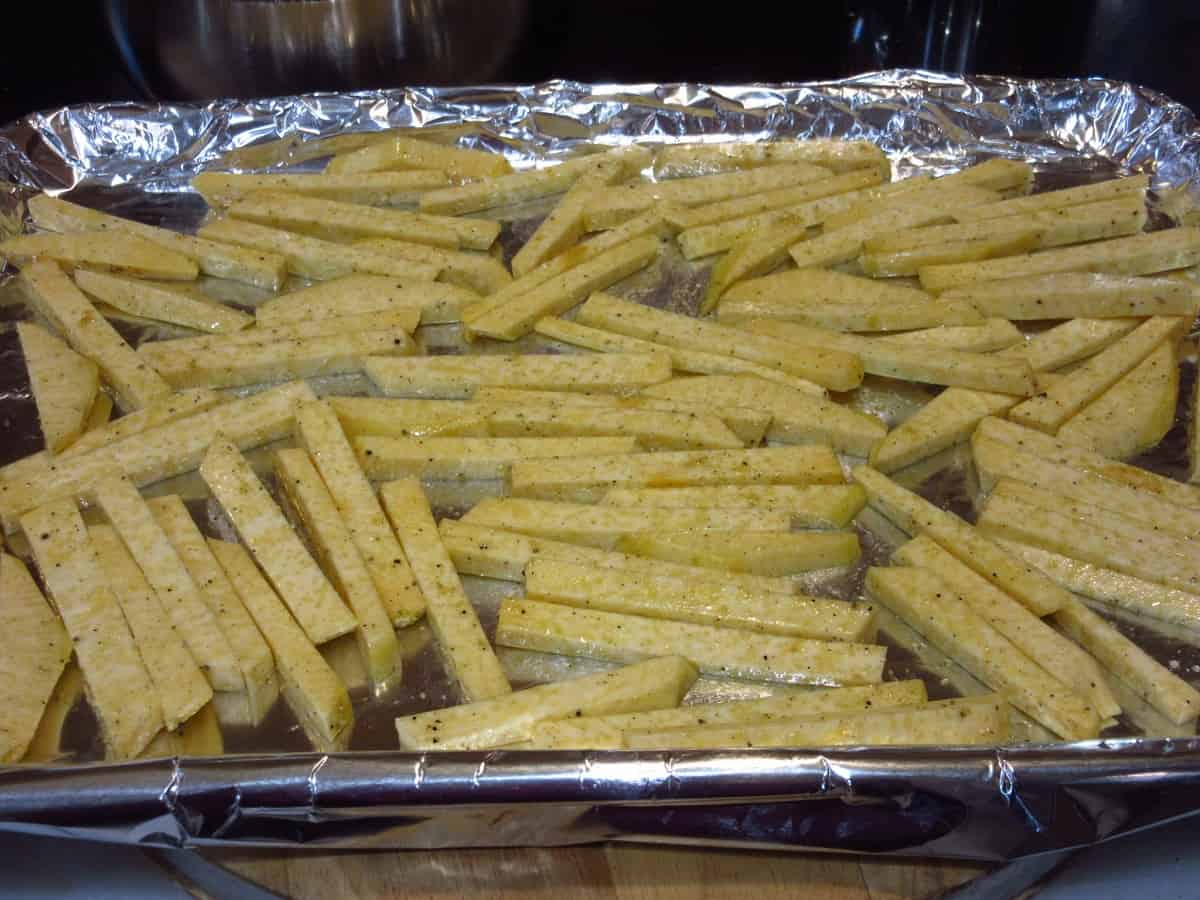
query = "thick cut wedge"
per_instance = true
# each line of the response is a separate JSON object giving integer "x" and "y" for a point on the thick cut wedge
{"x": 1054, "y": 406}
{"x": 468, "y": 458}
{"x": 1029, "y": 634}
{"x": 356, "y": 295}
{"x": 275, "y": 546}
{"x": 608, "y": 732}
{"x": 317, "y": 512}
{"x": 755, "y": 553}
{"x": 263, "y": 270}
{"x": 108, "y": 251}
{"x": 178, "y": 594}
{"x": 603, "y": 526}
{"x": 586, "y": 479}
{"x": 319, "y": 431}
{"x": 457, "y": 377}
{"x": 653, "y": 684}
{"x": 1142, "y": 254}
{"x": 922, "y": 599}
{"x": 468, "y": 656}
{"x": 179, "y": 684}
{"x": 693, "y": 600}
{"x": 550, "y": 628}
{"x": 495, "y": 553}
{"x": 54, "y": 296}
{"x": 555, "y": 296}
{"x": 251, "y": 650}
{"x": 118, "y": 689}
{"x": 977, "y": 720}
{"x": 163, "y": 304}
{"x": 37, "y": 650}
{"x": 64, "y": 385}
{"x": 796, "y": 418}
{"x": 812, "y": 506}
{"x": 1135, "y": 413}
{"x": 916, "y": 516}
{"x": 682, "y": 360}
{"x": 158, "y": 452}
{"x": 312, "y": 689}
{"x": 833, "y": 369}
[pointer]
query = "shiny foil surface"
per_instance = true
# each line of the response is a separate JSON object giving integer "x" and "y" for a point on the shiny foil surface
{"x": 136, "y": 160}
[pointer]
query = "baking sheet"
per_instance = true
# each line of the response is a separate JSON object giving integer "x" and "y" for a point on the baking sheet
{"x": 136, "y": 160}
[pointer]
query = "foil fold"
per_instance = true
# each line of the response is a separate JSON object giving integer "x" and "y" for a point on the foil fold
{"x": 992, "y": 804}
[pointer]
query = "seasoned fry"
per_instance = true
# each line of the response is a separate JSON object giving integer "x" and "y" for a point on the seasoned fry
{"x": 314, "y": 258}
{"x": 248, "y": 646}
{"x": 314, "y": 506}
{"x": 37, "y": 649}
{"x": 753, "y": 552}
{"x": 466, "y": 458}
{"x": 586, "y": 480}
{"x": 815, "y": 506}
{"x": 312, "y": 689}
{"x": 654, "y": 684}
{"x": 928, "y": 365}
{"x": 385, "y": 417}
{"x": 993, "y": 334}
{"x": 975, "y": 720}
{"x": 268, "y": 536}
{"x": 1086, "y": 294}
{"x": 1029, "y": 634}
{"x": 158, "y": 452}
{"x": 263, "y": 270}
{"x": 179, "y": 684}
{"x": 1060, "y": 199}
{"x": 927, "y": 603}
{"x": 178, "y": 594}
{"x": 833, "y": 369}
{"x": 318, "y": 430}
{"x": 238, "y": 364}
{"x": 98, "y": 416}
{"x": 412, "y": 153}
{"x": 356, "y": 295}
{"x": 683, "y": 360}
{"x": 457, "y": 377}
{"x": 171, "y": 408}
{"x": 604, "y": 526}
{"x": 686, "y": 160}
{"x": 900, "y": 263}
{"x": 110, "y": 251}
{"x": 493, "y": 553}
{"x": 163, "y": 304}
{"x": 652, "y": 429}
{"x": 796, "y": 418}
{"x": 554, "y": 297}
{"x": 57, "y": 299}
{"x": 481, "y": 273}
{"x": 1054, "y": 406}
{"x": 118, "y": 688}
{"x": 64, "y": 384}
{"x": 467, "y": 655}
{"x": 1142, "y": 254}
{"x": 608, "y": 732}
{"x": 371, "y": 188}
{"x": 503, "y": 190}
{"x": 551, "y": 628}
{"x": 917, "y": 516}
{"x": 701, "y": 602}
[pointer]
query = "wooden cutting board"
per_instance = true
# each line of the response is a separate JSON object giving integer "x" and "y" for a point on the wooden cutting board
{"x": 621, "y": 871}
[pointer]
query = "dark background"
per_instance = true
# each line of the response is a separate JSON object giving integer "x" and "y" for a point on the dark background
{"x": 54, "y": 54}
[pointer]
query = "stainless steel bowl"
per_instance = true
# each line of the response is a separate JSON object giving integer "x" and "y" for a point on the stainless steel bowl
{"x": 197, "y": 49}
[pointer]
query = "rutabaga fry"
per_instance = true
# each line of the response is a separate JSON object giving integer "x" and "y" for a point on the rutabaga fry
{"x": 64, "y": 384}
{"x": 161, "y": 303}
{"x": 221, "y": 189}
{"x": 111, "y": 251}
{"x": 469, "y": 659}
{"x": 470, "y": 458}
{"x": 355, "y": 295}
{"x": 772, "y": 554}
{"x": 724, "y": 652}
{"x": 398, "y": 152}
{"x": 810, "y": 506}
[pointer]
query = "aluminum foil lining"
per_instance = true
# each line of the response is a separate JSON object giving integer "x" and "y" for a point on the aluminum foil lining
{"x": 136, "y": 160}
